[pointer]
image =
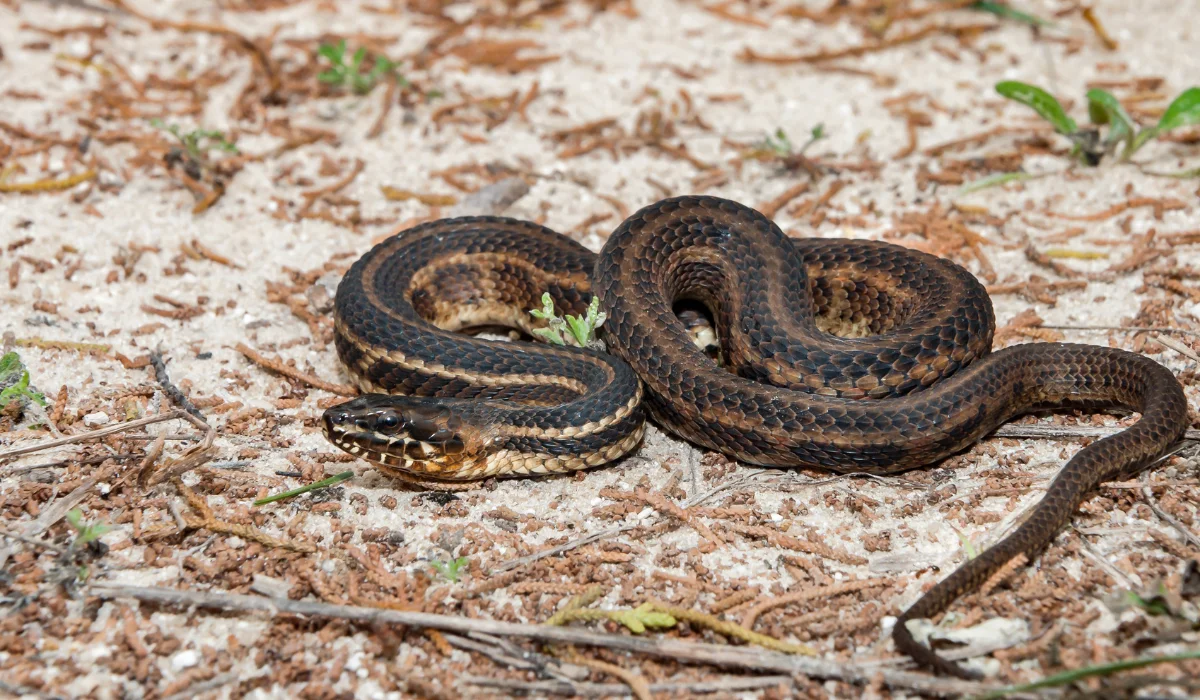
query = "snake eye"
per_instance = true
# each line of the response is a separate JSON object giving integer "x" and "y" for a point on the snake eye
{"x": 387, "y": 423}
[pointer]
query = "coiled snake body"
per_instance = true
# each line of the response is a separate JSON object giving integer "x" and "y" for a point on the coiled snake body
{"x": 851, "y": 356}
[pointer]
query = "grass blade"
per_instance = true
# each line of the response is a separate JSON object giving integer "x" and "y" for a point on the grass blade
{"x": 336, "y": 478}
{"x": 1089, "y": 672}
{"x": 1006, "y": 12}
{"x": 992, "y": 181}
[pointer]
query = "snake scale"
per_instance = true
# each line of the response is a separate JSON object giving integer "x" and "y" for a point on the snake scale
{"x": 843, "y": 355}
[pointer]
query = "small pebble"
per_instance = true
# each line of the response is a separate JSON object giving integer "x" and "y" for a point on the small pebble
{"x": 94, "y": 420}
{"x": 184, "y": 660}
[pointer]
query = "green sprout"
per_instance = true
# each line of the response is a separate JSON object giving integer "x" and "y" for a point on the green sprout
{"x": 449, "y": 569}
{"x": 85, "y": 533}
{"x": 14, "y": 379}
{"x": 780, "y": 145}
{"x": 197, "y": 142}
{"x": 341, "y": 74}
{"x": 1104, "y": 109}
{"x": 579, "y": 331}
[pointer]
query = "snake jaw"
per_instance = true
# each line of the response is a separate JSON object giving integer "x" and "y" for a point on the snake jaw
{"x": 405, "y": 436}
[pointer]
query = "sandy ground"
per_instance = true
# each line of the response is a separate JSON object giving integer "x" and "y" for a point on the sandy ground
{"x": 124, "y": 261}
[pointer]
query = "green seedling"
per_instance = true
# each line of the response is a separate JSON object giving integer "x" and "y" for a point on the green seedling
{"x": 197, "y": 142}
{"x": 1104, "y": 109}
{"x": 779, "y": 145}
{"x": 85, "y": 535}
{"x": 14, "y": 379}
{"x": 450, "y": 569}
{"x": 579, "y": 331}
{"x": 351, "y": 75}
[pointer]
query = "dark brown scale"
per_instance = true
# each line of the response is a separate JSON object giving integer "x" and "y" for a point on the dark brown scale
{"x": 939, "y": 389}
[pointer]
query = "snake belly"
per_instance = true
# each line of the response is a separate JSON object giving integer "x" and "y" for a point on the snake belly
{"x": 850, "y": 356}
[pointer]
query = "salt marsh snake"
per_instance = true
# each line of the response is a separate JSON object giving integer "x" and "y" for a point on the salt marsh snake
{"x": 843, "y": 355}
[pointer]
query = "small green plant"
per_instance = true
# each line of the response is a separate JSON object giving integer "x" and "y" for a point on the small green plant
{"x": 579, "y": 331}
{"x": 779, "y": 145}
{"x": 85, "y": 535}
{"x": 449, "y": 569}
{"x": 14, "y": 379}
{"x": 1104, "y": 109}
{"x": 351, "y": 75}
{"x": 197, "y": 142}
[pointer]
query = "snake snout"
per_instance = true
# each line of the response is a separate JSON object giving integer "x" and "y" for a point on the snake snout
{"x": 402, "y": 433}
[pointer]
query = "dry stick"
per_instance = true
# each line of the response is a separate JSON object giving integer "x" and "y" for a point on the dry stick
{"x": 279, "y": 367}
{"x": 1171, "y": 520}
{"x": 565, "y": 687}
{"x": 836, "y": 589}
{"x": 751, "y": 658}
{"x": 102, "y": 432}
{"x": 1065, "y": 432}
{"x": 1131, "y": 329}
{"x": 313, "y": 196}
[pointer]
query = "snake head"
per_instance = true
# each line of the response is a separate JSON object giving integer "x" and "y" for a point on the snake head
{"x": 409, "y": 436}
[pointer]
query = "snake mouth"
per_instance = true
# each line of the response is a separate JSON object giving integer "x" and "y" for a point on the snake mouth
{"x": 404, "y": 434}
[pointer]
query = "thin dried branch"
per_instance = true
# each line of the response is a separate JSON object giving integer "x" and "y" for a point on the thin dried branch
{"x": 749, "y": 658}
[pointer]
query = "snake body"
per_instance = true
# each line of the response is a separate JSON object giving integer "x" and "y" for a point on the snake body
{"x": 850, "y": 356}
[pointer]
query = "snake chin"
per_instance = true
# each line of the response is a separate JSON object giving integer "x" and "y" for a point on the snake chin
{"x": 406, "y": 436}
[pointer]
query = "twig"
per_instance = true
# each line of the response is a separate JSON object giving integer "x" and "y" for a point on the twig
{"x": 1166, "y": 517}
{"x": 196, "y": 690}
{"x": 173, "y": 392}
{"x": 565, "y": 687}
{"x": 1066, "y": 432}
{"x": 33, "y": 541}
{"x": 566, "y": 547}
{"x": 1130, "y": 329}
{"x": 279, "y": 367}
{"x": 751, "y": 658}
{"x": 1116, "y": 574}
{"x": 102, "y": 432}
{"x": 614, "y": 531}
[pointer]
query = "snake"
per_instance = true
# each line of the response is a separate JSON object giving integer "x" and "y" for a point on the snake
{"x": 851, "y": 356}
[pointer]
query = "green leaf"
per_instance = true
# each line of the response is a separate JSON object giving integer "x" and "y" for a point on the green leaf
{"x": 449, "y": 570}
{"x": 329, "y": 76}
{"x": 336, "y": 478}
{"x": 356, "y": 61}
{"x": 1105, "y": 108}
{"x": 1184, "y": 111}
{"x": 547, "y": 310}
{"x": 333, "y": 52}
{"x": 9, "y": 363}
{"x": 549, "y": 335}
{"x": 1042, "y": 102}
